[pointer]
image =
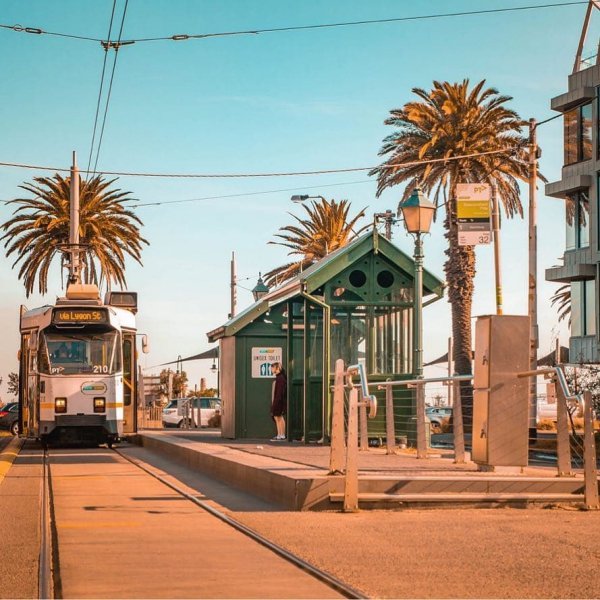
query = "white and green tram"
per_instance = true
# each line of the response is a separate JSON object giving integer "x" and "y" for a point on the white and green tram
{"x": 78, "y": 365}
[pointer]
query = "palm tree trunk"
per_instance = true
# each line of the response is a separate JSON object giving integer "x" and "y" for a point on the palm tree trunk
{"x": 460, "y": 271}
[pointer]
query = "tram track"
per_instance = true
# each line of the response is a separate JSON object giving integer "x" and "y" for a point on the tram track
{"x": 49, "y": 567}
{"x": 322, "y": 576}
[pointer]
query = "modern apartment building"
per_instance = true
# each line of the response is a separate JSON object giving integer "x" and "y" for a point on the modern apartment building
{"x": 579, "y": 186}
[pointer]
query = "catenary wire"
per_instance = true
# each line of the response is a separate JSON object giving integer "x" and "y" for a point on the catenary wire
{"x": 110, "y": 86}
{"x": 242, "y": 194}
{"x": 101, "y": 86}
{"x": 255, "y": 175}
{"x": 185, "y": 37}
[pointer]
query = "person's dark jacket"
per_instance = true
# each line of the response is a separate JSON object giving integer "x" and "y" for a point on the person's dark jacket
{"x": 279, "y": 404}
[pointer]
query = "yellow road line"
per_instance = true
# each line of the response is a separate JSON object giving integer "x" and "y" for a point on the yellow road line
{"x": 8, "y": 455}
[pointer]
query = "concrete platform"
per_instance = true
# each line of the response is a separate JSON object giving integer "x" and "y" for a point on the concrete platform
{"x": 295, "y": 476}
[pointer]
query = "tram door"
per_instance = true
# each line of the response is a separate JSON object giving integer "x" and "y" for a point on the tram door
{"x": 129, "y": 384}
{"x": 28, "y": 385}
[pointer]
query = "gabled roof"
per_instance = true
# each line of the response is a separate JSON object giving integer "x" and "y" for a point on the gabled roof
{"x": 324, "y": 270}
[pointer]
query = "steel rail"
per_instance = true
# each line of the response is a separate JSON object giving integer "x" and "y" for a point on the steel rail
{"x": 330, "y": 580}
{"x": 45, "y": 581}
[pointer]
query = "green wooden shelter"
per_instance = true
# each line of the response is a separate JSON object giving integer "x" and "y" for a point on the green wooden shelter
{"x": 355, "y": 304}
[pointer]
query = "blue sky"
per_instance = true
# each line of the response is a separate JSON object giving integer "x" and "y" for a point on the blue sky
{"x": 274, "y": 102}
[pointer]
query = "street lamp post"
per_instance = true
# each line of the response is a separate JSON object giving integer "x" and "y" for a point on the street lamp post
{"x": 260, "y": 289}
{"x": 418, "y": 211}
{"x": 215, "y": 369}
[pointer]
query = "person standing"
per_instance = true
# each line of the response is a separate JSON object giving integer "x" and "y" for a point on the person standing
{"x": 279, "y": 401}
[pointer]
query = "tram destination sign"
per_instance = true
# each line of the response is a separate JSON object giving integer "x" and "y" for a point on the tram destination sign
{"x": 79, "y": 316}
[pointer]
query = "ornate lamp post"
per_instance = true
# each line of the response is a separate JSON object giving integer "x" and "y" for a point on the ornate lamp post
{"x": 260, "y": 289}
{"x": 417, "y": 211}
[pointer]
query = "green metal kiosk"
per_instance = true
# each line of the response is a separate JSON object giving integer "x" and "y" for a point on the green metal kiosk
{"x": 355, "y": 304}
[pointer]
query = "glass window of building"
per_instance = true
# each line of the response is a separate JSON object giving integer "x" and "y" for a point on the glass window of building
{"x": 578, "y": 134}
{"x": 583, "y": 308}
{"x": 577, "y": 209}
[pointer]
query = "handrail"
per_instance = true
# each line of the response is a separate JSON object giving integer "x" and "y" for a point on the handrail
{"x": 422, "y": 380}
{"x": 561, "y": 379}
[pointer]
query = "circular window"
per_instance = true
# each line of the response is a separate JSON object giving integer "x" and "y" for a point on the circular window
{"x": 357, "y": 278}
{"x": 385, "y": 279}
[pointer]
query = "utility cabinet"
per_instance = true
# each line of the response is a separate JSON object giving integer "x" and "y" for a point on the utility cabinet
{"x": 500, "y": 398}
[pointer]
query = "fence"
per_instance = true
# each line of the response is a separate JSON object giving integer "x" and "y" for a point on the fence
{"x": 350, "y": 430}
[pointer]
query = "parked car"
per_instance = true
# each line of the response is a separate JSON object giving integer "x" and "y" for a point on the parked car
{"x": 438, "y": 415}
{"x": 174, "y": 413}
{"x": 9, "y": 417}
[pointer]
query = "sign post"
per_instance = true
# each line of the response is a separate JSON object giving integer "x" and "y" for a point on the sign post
{"x": 473, "y": 214}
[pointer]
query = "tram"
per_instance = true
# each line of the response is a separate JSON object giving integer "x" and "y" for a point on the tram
{"x": 78, "y": 368}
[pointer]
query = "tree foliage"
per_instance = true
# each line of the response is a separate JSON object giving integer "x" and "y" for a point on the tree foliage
{"x": 179, "y": 382}
{"x": 13, "y": 384}
{"x": 474, "y": 138}
{"x": 38, "y": 232}
{"x": 325, "y": 228}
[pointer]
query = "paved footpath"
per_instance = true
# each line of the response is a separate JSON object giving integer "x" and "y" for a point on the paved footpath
{"x": 123, "y": 534}
{"x": 20, "y": 474}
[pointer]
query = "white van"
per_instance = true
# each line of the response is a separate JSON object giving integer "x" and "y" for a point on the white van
{"x": 175, "y": 412}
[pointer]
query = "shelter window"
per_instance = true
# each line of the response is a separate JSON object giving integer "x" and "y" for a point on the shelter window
{"x": 578, "y": 134}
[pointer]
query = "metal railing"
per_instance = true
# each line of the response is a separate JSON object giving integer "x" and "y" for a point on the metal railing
{"x": 563, "y": 439}
{"x": 358, "y": 404}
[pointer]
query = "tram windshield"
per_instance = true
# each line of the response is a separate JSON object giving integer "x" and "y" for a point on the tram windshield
{"x": 66, "y": 354}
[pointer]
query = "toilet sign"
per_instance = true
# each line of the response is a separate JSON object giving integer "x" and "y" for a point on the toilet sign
{"x": 262, "y": 359}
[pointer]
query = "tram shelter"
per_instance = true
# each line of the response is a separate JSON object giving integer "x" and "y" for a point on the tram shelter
{"x": 356, "y": 304}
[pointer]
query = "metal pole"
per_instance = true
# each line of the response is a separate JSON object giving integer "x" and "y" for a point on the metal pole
{"x": 563, "y": 447}
{"x": 351, "y": 479}
{"x": 417, "y": 309}
{"x": 338, "y": 444}
{"x": 364, "y": 427}
{"x": 497, "y": 257}
{"x": 390, "y": 430}
{"x": 418, "y": 347}
{"x": 532, "y": 296}
{"x": 233, "y": 287}
{"x": 74, "y": 267}
{"x": 589, "y": 453}
{"x": 458, "y": 426}
{"x": 450, "y": 373}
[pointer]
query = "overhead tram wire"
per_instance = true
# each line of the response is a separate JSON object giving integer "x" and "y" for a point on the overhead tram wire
{"x": 101, "y": 87}
{"x": 116, "y": 46}
{"x": 255, "y": 175}
{"x": 185, "y": 37}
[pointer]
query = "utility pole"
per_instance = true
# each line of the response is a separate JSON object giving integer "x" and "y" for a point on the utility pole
{"x": 74, "y": 266}
{"x": 497, "y": 261}
{"x": 532, "y": 296}
{"x": 233, "y": 287}
{"x": 388, "y": 218}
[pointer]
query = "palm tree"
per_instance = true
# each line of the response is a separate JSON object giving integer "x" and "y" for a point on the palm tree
{"x": 562, "y": 298}
{"x": 454, "y": 121}
{"x": 39, "y": 231}
{"x": 325, "y": 229}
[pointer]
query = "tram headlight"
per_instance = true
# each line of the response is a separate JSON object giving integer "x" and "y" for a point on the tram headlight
{"x": 60, "y": 405}
{"x": 99, "y": 405}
